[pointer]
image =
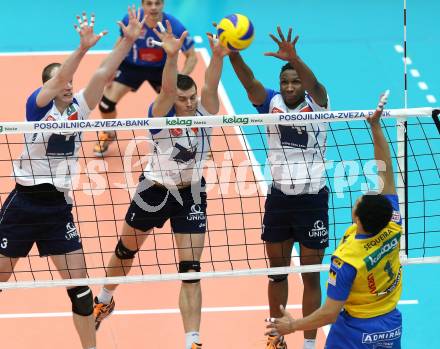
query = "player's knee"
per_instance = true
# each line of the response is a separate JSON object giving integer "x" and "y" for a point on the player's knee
{"x": 107, "y": 106}
{"x": 189, "y": 266}
{"x": 277, "y": 278}
{"x": 123, "y": 252}
{"x": 82, "y": 300}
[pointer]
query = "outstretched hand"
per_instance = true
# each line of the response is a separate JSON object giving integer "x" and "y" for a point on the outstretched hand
{"x": 280, "y": 326}
{"x": 375, "y": 118}
{"x": 217, "y": 48}
{"x": 135, "y": 25}
{"x": 169, "y": 42}
{"x": 88, "y": 38}
{"x": 286, "y": 47}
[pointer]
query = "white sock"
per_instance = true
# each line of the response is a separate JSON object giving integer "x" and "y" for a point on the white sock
{"x": 105, "y": 296}
{"x": 309, "y": 343}
{"x": 190, "y": 338}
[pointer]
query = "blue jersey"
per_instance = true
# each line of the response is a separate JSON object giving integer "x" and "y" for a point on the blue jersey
{"x": 144, "y": 53}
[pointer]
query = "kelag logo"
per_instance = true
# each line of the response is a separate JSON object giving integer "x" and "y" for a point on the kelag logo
{"x": 178, "y": 122}
{"x": 373, "y": 259}
{"x": 1, "y": 129}
{"x": 235, "y": 120}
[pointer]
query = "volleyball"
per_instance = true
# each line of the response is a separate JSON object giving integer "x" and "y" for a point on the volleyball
{"x": 235, "y": 32}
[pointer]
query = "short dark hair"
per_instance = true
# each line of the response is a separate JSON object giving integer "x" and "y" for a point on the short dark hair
{"x": 374, "y": 212}
{"x": 47, "y": 71}
{"x": 185, "y": 82}
{"x": 146, "y": 0}
{"x": 285, "y": 67}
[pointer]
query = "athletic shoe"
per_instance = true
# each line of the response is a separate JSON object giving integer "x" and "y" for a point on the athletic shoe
{"x": 196, "y": 346}
{"x": 273, "y": 343}
{"x": 101, "y": 311}
{"x": 105, "y": 138}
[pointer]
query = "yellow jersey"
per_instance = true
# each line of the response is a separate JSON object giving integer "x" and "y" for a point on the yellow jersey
{"x": 377, "y": 286}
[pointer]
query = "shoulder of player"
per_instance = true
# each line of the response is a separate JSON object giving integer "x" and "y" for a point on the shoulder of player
{"x": 315, "y": 106}
{"x": 125, "y": 18}
{"x": 175, "y": 23}
{"x": 171, "y": 18}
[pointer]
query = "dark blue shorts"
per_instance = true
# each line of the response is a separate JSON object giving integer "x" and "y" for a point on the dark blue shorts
{"x": 381, "y": 332}
{"x": 37, "y": 214}
{"x": 301, "y": 217}
{"x": 133, "y": 76}
{"x": 152, "y": 207}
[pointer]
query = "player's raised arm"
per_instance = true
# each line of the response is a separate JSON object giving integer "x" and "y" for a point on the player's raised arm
{"x": 209, "y": 95}
{"x": 166, "y": 98}
{"x": 381, "y": 147}
{"x": 254, "y": 88}
{"x": 190, "y": 61}
{"x": 287, "y": 52}
{"x": 64, "y": 75}
{"x": 95, "y": 88}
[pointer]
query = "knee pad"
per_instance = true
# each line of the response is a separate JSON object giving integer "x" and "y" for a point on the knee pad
{"x": 123, "y": 252}
{"x": 82, "y": 300}
{"x": 106, "y": 105}
{"x": 186, "y": 266}
{"x": 277, "y": 278}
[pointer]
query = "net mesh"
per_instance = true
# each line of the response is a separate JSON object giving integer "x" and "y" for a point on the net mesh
{"x": 237, "y": 179}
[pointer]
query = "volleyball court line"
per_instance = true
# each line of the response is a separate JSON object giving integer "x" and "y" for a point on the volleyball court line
{"x": 172, "y": 310}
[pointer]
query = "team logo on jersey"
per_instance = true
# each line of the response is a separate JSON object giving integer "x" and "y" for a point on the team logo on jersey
{"x": 196, "y": 213}
{"x": 332, "y": 277}
{"x": 50, "y": 118}
{"x": 306, "y": 109}
{"x": 382, "y": 337}
{"x": 337, "y": 263}
{"x": 294, "y": 136}
{"x": 276, "y": 110}
{"x": 71, "y": 232}
{"x": 371, "y": 283}
{"x": 374, "y": 259}
{"x": 73, "y": 116}
{"x": 176, "y": 132}
{"x": 396, "y": 217}
{"x": 182, "y": 155}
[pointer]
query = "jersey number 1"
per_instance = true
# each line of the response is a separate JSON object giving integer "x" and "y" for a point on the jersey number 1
{"x": 389, "y": 271}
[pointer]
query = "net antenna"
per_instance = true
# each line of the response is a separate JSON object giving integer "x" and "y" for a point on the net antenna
{"x": 402, "y": 153}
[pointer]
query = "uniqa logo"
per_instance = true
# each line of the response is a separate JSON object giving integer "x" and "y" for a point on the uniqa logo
{"x": 235, "y": 120}
{"x": 196, "y": 213}
{"x": 178, "y": 122}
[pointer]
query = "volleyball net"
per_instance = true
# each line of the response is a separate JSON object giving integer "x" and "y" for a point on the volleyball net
{"x": 238, "y": 177}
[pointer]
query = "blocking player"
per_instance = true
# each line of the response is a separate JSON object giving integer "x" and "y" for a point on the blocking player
{"x": 172, "y": 187}
{"x": 144, "y": 62}
{"x": 365, "y": 279}
{"x": 296, "y": 208}
{"x": 39, "y": 209}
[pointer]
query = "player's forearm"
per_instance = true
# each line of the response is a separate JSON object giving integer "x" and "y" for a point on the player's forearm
{"x": 317, "y": 319}
{"x": 244, "y": 73}
{"x": 115, "y": 57}
{"x": 70, "y": 65}
{"x": 213, "y": 73}
{"x": 381, "y": 147}
{"x": 190, "y": 63}
{"x": 309, "y": 81}
{"x": 169, "y": 75}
